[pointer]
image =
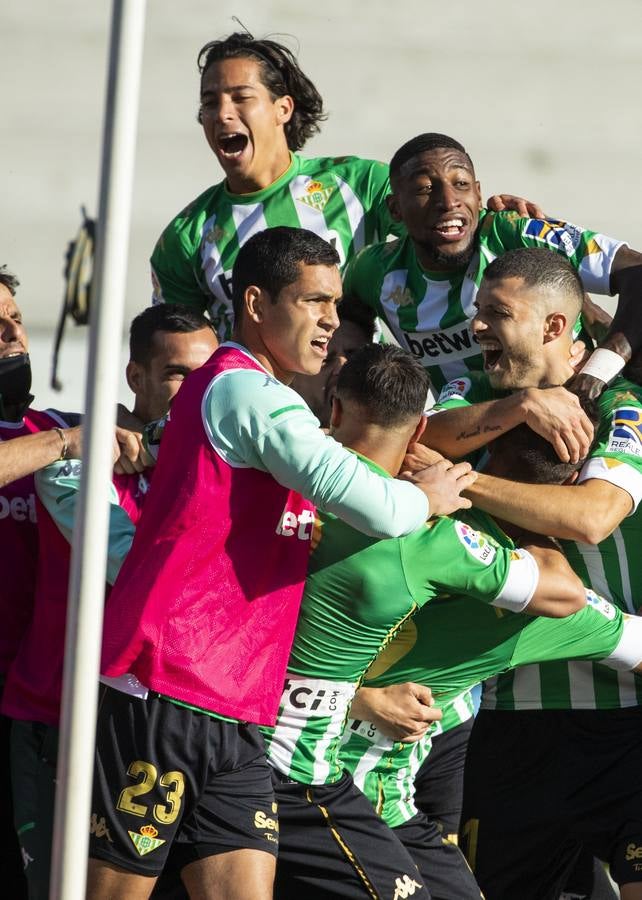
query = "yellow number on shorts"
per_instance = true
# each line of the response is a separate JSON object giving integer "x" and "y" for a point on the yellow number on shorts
{"x": 470, "y": 833}
{"x": 125, "y": 801}
{"x": 169, "y": 779}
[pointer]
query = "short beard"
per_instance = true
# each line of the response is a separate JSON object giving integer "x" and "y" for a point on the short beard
{"x": 452, "y": 260}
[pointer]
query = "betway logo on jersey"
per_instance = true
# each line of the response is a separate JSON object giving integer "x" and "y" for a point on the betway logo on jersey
{"x": 446, "y": 345}
{"x": 20, "y": 509}
{"x": 291, "y": 524}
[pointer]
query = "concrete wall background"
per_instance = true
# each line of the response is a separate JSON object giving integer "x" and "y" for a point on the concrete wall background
{"x": 546, "y": 98}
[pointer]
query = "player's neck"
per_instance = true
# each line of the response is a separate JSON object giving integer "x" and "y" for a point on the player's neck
{"x": 385, "y": 451}
{"x": 262, "y": 176}
{"x": 555, "y": 372}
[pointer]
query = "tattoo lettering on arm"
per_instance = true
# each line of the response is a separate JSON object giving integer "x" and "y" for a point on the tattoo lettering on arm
{"x": 487, "y": 429}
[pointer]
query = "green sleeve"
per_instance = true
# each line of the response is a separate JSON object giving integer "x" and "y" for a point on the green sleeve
{"x": 589, "y": 252}
{"x": 451, "y": 557}
{"x": 58, "y": 487}
{"x": 175, "y": 267}
{"x": 616, "y": 455}
{"x": 362, "y": 280}
{"x": 380, "y": 189}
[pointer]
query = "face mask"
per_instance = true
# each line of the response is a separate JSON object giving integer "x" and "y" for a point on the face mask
{"x": 15, "y": 380}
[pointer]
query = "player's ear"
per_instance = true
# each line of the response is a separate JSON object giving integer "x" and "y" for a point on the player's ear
{"x": 254, "y": 299}
{"x": 480, "y": 202}
{"x": 393, "y": 207}
{"x": 419, "y": 430}
{"x": 134, "y": 376}
{"x": 336, "y": 413}
{"x": 284, "y": 107}
{"x": 554, "y": 326}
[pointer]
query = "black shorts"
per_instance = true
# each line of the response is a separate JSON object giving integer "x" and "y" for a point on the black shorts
{"x": 441, "y": 863}
{"x": 539, "y": 785}
{"x": 165, "y": 774}
{"x": 439, "y": 783}
{"x": 333, "y": 844}
{"x": 34, "y": 754}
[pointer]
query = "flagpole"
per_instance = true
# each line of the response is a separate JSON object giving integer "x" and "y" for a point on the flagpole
{"x": 88, "y": 560}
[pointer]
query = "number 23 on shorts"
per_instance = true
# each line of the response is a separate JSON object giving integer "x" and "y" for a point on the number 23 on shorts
{"x": 165, "y": 813}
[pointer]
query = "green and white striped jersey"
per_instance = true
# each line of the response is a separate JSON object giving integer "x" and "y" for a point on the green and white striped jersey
{"x": 453, "y": 643}
{"x": 385, "y": 770}
{"x": 611, "y": 568}
{"x": 429, "y": 313}
{"x": 358, "y": 591}
{"x": 341, "y": 199}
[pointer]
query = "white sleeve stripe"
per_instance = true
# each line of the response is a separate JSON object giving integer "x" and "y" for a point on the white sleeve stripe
{"x": 595, "y": 268}
{"x": 628, "y": 653}
{"x": 622, "y": 475}
{"x": 520, "y": 585}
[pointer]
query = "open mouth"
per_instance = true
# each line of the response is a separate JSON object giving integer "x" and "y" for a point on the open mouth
{"x": 231, "y": 146}
{"x": 451, "y": 229}
{"x": 492, "y": 353}
{"x": 321, "y": 345}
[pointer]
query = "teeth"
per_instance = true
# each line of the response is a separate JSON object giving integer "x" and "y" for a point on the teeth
{"x": 451, "y": 223}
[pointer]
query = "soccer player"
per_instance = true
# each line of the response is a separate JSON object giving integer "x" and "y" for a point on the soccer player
{"x": 424, "y": 284}
{"x": 200, "y": 621}
{"x": 166, "y": 343}
{"x": 358, "y": 591}
{"x": 356, "y": 329}
{"x": 434, "y": 648}
{"x": 527, "y": 304}
{"x": 29, "y": 439}
{"x": 258, "y": 108}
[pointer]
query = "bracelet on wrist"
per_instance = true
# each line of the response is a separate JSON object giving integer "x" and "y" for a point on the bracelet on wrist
{"x": 65, "y": 446}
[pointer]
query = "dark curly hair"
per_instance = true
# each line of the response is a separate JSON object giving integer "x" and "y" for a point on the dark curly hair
{"x": 281, "y": 75}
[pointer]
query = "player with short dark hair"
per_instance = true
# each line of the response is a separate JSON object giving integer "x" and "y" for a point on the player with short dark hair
{"x": 154, "y": 321}
{"x": 424, "y": 284}
{"x": 169, "y": 344}
{"x": 358, "y": 591}
{"x": 546, "y": 712}
{"x": 199, "y": 624}
{"x": 273, "y": 262}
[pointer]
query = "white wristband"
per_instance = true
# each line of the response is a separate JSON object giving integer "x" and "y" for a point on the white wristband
{"x": 603, "y": 364}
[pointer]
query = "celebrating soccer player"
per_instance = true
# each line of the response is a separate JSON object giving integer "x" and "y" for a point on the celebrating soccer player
{"x": 258, "y": 108}
{"x": 199, "y": 624}
{"x": 165, "y": 344}
{"x": 528, "y": 302}
{"x": 424, "y": 285}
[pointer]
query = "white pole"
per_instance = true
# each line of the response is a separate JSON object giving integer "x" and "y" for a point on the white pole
{"x": 88, "y": 561}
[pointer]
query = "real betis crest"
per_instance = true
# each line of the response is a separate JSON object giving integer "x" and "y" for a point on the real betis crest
{"x": 316, "y": 195}
{"x": 146, "y": 841}
{"x": 401, "y": 296}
